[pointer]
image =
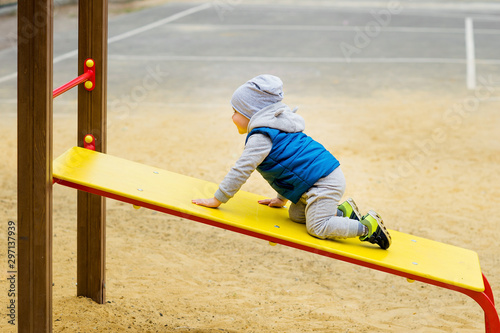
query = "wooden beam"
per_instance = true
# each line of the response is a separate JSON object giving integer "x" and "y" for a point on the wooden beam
{"x": 34, "y": 198}
{"x": 91, "y": 238}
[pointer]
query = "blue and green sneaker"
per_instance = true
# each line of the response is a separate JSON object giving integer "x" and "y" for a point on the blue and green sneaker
{"x": 349, "y": 210}
{"x": 377, "y": 233}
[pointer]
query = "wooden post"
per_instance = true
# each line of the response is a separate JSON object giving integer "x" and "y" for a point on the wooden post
{"x": 34, "y": 180}
{"x": 91, "y": 238}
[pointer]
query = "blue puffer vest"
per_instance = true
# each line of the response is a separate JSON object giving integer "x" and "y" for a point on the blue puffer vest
{"x": 295, "y": 162}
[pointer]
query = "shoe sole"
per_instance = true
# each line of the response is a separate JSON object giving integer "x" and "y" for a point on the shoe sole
{"x": 354, "y": 208}
{"x": 380, "y": 223}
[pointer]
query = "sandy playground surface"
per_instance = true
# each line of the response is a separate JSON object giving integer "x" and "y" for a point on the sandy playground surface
{"x": 426, "y": 169}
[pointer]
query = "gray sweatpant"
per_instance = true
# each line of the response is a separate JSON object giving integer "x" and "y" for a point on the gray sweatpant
{"x": 317, "y": 208}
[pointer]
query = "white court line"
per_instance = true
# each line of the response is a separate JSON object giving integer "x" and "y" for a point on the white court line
{"x": 276, "y": 59}
{"x": 470, "y": 54}
{"x": 291, "y": 59}
{"x": 413, "y": 5}
{"x": 159, "y": 23}
{"x": 125, "y": 35}
{"x": 326, "y": 28}
{"x": 65, "y": 56}
{"x": 8, "y": 77}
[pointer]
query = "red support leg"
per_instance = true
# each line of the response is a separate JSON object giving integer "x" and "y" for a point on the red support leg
{"x": 491, "y": 319}
{"x": 487, "y": 303}
{"x": 487, "y": 290}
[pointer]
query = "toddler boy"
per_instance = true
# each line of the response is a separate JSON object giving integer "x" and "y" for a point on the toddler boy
{"x": 297, "y": 167}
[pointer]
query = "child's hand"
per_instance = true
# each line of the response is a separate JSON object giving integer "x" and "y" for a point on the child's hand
{"x": 211, "y": 203}
{"x": 274, "y": 202}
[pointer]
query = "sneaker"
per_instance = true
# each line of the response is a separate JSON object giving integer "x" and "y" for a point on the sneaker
{"x": 350, "y": 210}
{"x": 377, "y": 233}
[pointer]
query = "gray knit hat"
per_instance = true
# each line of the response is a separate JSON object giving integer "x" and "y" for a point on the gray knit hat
{"x": 256, "y": 94}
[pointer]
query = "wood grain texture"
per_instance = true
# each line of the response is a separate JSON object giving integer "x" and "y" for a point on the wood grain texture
{"x": 91, "y": 239}
{"x": 35, "y": 44}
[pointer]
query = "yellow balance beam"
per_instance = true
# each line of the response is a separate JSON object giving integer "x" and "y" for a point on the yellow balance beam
{"x": 409, "y": 256}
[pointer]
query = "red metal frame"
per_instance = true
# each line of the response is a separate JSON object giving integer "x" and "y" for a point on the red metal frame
{"x": 484, "y": 299}
{"x": 87, "y": 76}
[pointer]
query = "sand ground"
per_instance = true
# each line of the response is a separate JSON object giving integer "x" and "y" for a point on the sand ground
{"x": 427, "y": 161}
{"x": 166, "y": 274}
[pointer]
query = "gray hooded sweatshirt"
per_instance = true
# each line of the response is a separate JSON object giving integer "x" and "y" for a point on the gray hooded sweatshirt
{"x": 258, "y": 146}
{"x": 319, "y": 218}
